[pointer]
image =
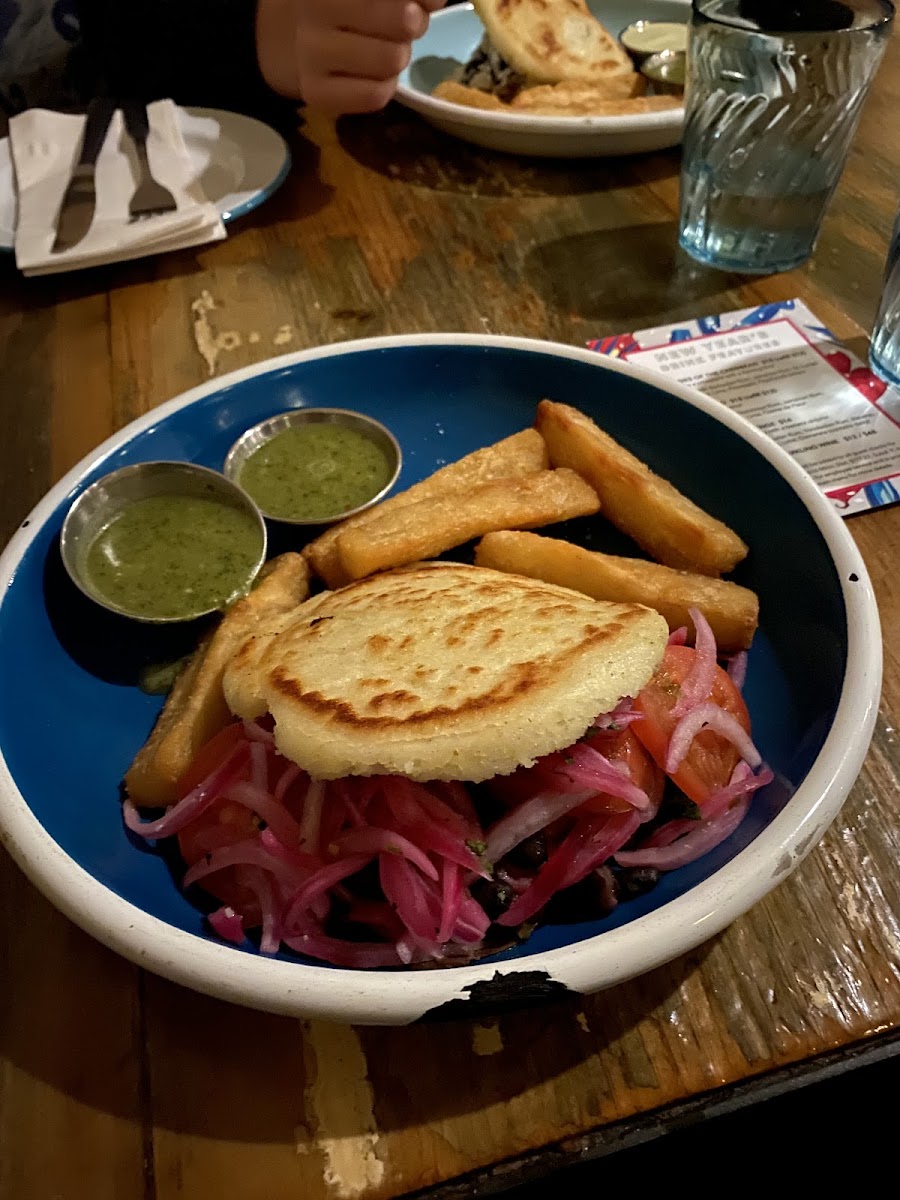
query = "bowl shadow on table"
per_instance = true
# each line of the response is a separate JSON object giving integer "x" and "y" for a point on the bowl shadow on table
{"x": 195, "y": 1060}
{"x": 534, "y": 1048}
{"x": 627, "y": 275}
{"x": 410, "y": 151}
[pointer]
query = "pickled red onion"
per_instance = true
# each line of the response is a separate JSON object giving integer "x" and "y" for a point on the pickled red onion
{"x": 529, "y": 818}
{"x": 690, "y": 847}
{"x": 698, "y": 683}
{"x": 586, "y": 767}
{"x": 248, "y": 853}
{"x": 260, "y": 884}
{"x": 321, "y": 882}
{"x": 296, "y": 858}
{"x": 289, "y": 776}
{"x": 256, "y": 733}
{"x": 194, "y": 803}
{"x": 311, "y": 822}
{"x": 549, "y": 878}
{"x": 610, "y": 835}
{"x": 451, "y": 900}
{"x": 737, "y": 670}
{"x": 622, "y": 715}
{"x": 457, "y": 798}
{"x": 364, "y": 955}
{"x": 711, "y": 716}
{"x": 743, "y": 783}
{"x": 370, "y": 839}
{"x": 275, "y": 815}
{"x": 227, "y": 924}
{"x": 404, "y": 890}
{"x": 588, "y": 846}
{"x": 259, "y": 766}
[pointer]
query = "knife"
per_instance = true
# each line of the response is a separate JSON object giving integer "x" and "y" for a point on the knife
{"x": 76, "y": 212}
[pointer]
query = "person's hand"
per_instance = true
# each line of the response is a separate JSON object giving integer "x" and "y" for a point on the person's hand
{"x": 342, "y": 56}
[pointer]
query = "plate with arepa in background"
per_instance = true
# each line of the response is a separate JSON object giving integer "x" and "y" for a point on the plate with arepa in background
{"x": 572, "y": 92}
{"x": 369, "y": 758}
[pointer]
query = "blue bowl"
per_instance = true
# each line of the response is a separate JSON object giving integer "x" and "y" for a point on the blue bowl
{"x": 73, "y": 720}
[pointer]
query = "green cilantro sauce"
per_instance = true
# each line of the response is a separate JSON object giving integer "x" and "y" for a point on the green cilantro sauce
{"x": 173, "y": 556}
{"x": 314, "y": 472}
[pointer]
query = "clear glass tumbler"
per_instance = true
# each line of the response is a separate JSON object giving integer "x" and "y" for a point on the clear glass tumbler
{"x": 885, "y": 352}
{"x": 775, "y": 91}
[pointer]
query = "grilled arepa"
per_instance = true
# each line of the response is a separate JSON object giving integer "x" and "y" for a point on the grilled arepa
{"x": 548, "y": 41}
{"x": 441, "y": 671}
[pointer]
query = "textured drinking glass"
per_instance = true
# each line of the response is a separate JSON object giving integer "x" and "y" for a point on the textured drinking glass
{"x": 885, "y": 352}
{"x": 775, "y": 91}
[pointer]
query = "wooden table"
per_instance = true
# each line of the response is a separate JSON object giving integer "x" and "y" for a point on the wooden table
{"x": 115, "y": 1085}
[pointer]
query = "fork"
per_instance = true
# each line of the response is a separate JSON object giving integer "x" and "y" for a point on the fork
{"x": 150, "y": 199}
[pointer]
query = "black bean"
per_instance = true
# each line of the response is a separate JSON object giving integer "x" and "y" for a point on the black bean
{"x": 493, "y": 895}
{"x": 351, "y": 931}
{"x": 366, "y": 883}
{"x": 637, "y": 881}
{"x": 596, "y": 896}
{"x": 336, "y": 921}
{"x": 530, "y": 853}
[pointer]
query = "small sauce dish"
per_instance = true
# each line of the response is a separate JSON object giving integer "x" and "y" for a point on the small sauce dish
{"x": 643, "y": 38}
{"x": 315, "y": 466}
{"x": 666, "y": 71}
{"x": 162, "y": 542}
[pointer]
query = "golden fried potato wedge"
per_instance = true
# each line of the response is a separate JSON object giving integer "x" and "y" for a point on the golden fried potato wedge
{"x": 578, "y": 97}
{"x": 195, "y": 709}
{"x": 469, "y": 97}
{"x": 428, "y": 528}
{"x": 732, "y": 611}
{"x": 549, "y": 101}
{"x": 662, "y": 521}
{"x": 520, "y": 454}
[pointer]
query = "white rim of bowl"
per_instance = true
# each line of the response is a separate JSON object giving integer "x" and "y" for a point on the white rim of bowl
{"x": 422, "y": 102}
{"x": 364, "y": 997}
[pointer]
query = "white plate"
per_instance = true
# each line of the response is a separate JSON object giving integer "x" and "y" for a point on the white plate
{"x": 451, "y": 39}
{"x": 240, "y": 162}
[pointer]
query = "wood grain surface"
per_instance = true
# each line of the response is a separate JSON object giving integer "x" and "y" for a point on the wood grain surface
{"x": 115, "y": 1084}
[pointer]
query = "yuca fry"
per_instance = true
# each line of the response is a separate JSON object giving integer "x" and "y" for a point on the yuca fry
{"x": 195, "y": 709}
{"x": 550, "y": 103}
{"x": 732, "y": 611}
{"x": 662, "y": 521}
{"x": 459, "y": 93}
{"x": 520, "y": 454}
{"x": 429, "y": 527}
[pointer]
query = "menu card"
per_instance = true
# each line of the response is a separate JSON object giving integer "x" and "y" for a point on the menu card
{"x": 778, "y": 366}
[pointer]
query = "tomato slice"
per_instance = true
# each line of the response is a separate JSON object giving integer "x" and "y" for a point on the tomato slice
{"x": 623, "y": 746}
{"x": 712, "y": 758}
{"x": 617, "y": 745}
{"x": 210, "y": 756}
{"x": 224, "y": 824}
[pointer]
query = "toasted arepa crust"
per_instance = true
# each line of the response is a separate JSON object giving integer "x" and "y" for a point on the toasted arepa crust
{"x": 551, "y": 40}
{"x": 441, "y": 671}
